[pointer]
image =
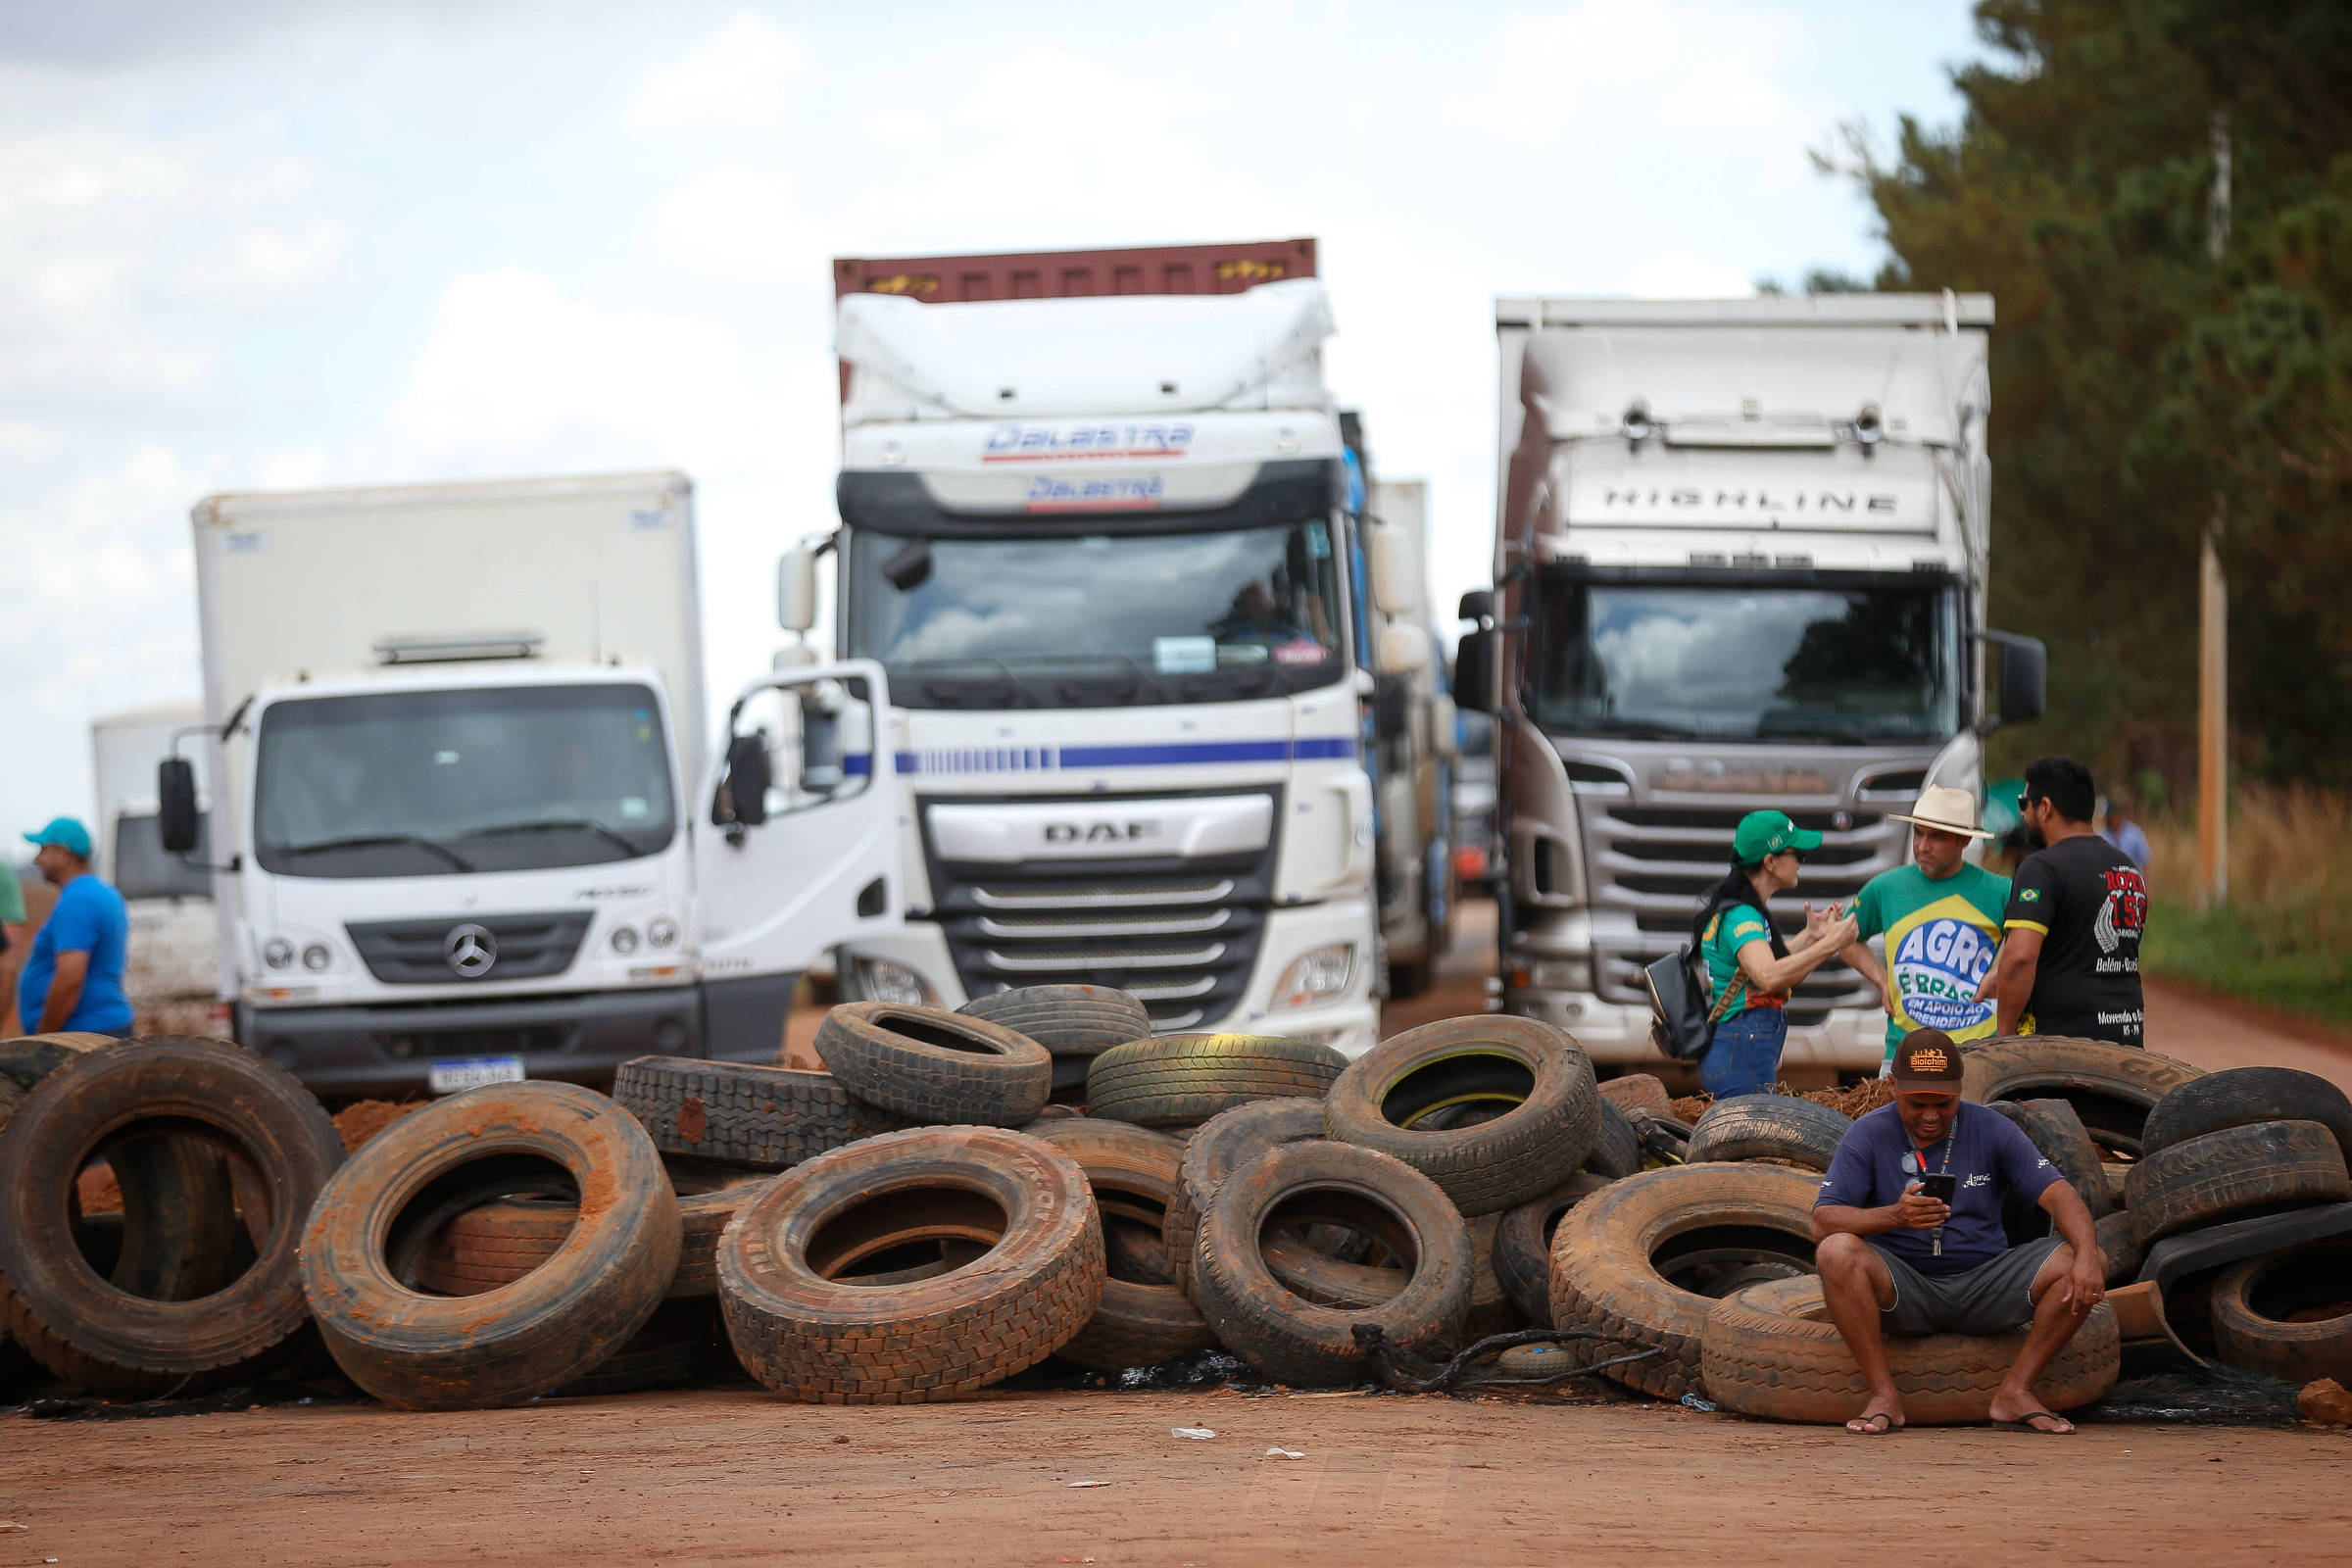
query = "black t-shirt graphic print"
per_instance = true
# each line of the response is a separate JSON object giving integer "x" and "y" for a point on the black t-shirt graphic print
{"x": 2090, "y": 904}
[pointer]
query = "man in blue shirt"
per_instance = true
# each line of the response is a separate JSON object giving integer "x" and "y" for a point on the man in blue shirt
{"x": 74, "y": 979}
{"x": 1896, "y": 1258}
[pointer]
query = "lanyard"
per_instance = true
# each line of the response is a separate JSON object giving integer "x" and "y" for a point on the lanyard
{"x": 1918, "y": 1158}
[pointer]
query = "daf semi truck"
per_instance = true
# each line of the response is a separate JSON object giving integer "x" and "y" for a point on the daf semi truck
{"x": 1740, "y": 563}
{"x": 1095, "y": 525}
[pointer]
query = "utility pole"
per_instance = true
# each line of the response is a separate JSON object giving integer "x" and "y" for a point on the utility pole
{"x": 2213, "y": 617}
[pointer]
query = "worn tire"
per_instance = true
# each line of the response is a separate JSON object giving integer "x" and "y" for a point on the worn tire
{"x": 1132, "y": 1252}
{"x": 91, "y": 1332}
{"x": 1224, "y": 1144}
{"x": 1492, "y": 1308}
{"x": 1311, "y": 1274}
{"x": 2060, "y": 1136}
{"x": 803, "y": 1332}
{"x": 2233, "y": 1174}
{"x": 2240, "y": 1096}
{"x": 26, "y": 1059}
{"x": 1768, "y": 1127}
{"x": 1290, "y": 1340}
{"x": 933, "y": 1066}
{"x": 2112, "y": 1088}
{"x": 1081, "y": 1021}
{"x": 769, "y": 1118}
{"x": 1132, "y": 1173}
{"x": 1605, "y": 1277}
{"x": 2120, "y": 1243}
{"x": 1184, "y": 1080}
{"x": 547, "y": 1328}
{"x": 1770, "y": 1351}
{"x": 1522, "y": 1244}
{"x": 1540, "y": 1142}
{"x": 680, "y": 1344}
{"x": 2253, "y": 1301}
{"x": 1616, "y": 1145}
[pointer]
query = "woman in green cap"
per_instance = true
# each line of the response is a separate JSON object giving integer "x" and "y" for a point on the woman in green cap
{"x": 1752, "y": 968}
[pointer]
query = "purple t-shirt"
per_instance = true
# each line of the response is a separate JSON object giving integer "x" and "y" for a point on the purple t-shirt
{"x": 1993, "y": 1159}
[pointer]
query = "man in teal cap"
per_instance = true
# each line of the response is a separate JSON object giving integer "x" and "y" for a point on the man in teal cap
{"x": 1753, "y": 969}
{"x": 74, "y": 980}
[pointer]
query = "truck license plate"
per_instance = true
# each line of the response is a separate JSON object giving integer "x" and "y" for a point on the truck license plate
{"x": 452, "y": 1073}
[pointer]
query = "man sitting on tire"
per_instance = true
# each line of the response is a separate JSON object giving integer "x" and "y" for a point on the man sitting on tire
{"x": 1896, "y": 1259}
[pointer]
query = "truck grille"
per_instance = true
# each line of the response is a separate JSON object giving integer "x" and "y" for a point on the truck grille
{"x": 417, "y": 953}
{"x": 1182, "y": 935}
{"x": 1656, "y": 863}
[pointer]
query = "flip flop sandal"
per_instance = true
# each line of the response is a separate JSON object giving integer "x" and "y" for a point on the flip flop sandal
{"x": 1868, "y": 1430}
{"x": 2024, "y": 1423}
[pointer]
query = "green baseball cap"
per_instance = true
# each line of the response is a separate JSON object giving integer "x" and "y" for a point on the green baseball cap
{"x": 1763, "y": 833}
{"x": 65, "y": 833}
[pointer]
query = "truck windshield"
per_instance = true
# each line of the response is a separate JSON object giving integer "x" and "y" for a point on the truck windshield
{"x": 1744, "y": 662}
{"x": 1100, "y": 620}
{"x": 469, "y": 779}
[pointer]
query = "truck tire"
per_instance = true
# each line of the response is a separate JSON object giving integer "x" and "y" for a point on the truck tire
{"x": 1606, "y": 1274}
{"x": 2240, "y": 1096}
{"x": 1536, "y": 1074}
{"x": 2054, "y": 1130}
{"x": 1311, "y": 1274}
{"x": 2121, "y": 1243}
{"x": 2289, "y": 1314}
{"x": 29, "y": 1058}
{"x": 801, "y": 1329}
{"x": 1183, "y": 1080}
{"x": 767, "y": 1118}
{"x": 1491, "y": 1309}
{"x": 1132, "y": 1173}
{"x": 1768, "y": 1127}
{"x": 680, "y": 1344}
{"x": 97, "y": 1335}
{"x": 1616, "y": 1145}
{"x": 1082, "y": 1021}
{"x": 1770, "y": 1351}
{"x": 1522, "y": 1244}
{"x": 547, "y": 1328}
{"x": 933, "y": 1066}
{"x": 1290, "y": 1340}
{"x": 1132, "y": 1253}
{"x": 2112, "y": 1088}
{"x": 1226, "y": 1143}
{"x": 2233, "y": 1174}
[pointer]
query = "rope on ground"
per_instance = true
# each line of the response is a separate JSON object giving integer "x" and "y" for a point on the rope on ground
{"x": 1403, "y": 1370}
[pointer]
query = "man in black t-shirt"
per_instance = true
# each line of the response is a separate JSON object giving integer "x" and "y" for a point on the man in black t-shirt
{"x": 2069, "y": 962}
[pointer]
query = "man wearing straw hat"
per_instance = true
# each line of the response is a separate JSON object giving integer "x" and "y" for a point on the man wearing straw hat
{"x": 1941, "y": 918}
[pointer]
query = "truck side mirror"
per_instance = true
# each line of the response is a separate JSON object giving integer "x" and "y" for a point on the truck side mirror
{"x": 1474, "y": 671}
{"x": 749, "y": 775}
{"x": 178, "y": 821}
{"x": 1395, "y": 584}
{"x": 796, "y": 589}
{"x": 2025, "y": 678}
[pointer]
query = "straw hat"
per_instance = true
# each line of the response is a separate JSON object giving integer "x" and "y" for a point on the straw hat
{"x": 1946, "y": 811}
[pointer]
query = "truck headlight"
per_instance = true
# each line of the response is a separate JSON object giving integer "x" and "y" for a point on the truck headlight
{"x": 315, "y": 957}
{"x": 662, "y": 932}
{"x": 1315, "y": 976}
{"x": 1551, "y": 974}
{"x": 881, "y": 980}
{"x": 277, "y": 953}
{"x": 625, "y": 939}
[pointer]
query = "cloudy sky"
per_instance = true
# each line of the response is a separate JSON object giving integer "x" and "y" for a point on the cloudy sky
{"x": 268, "y": 243}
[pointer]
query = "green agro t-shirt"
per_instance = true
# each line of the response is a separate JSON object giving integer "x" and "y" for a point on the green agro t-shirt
{"x": 1734, "y": 927}
{"x": 1941, "y": 938}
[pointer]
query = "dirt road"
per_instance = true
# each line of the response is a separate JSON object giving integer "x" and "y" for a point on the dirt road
{"x": 740, "y": 1477}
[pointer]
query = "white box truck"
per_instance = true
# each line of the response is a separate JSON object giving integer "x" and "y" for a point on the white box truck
{"x": 454, "y": 744}
{"x": 170, "y": 971}
{"x": 1740, "y": 563}
{"x": 1416, "y": 743}
{"x": 1102, "y": 545}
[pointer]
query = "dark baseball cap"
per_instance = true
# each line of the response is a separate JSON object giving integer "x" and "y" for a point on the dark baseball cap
{"x": 1926, "y": 1063}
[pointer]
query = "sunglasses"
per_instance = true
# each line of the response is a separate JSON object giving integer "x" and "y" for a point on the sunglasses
{"x": 2024, "y": 801}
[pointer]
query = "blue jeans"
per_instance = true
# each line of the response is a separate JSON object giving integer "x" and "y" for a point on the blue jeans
{"x": 1745, "y": 1057}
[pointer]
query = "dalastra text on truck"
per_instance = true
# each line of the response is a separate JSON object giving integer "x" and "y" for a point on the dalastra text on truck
{"x": 1740, "y": 563}
{"x": 1109, "y": 550}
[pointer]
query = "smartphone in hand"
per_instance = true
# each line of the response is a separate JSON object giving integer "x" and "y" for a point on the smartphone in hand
{"x": 1941, "y": 1188}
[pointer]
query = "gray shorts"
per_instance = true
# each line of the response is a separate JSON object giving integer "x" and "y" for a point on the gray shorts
{"x": 1991, "y": 1298}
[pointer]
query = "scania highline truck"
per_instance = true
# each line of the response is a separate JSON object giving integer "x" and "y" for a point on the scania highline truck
{"x": 1740, "y": 563}
{"x": 1095, "y": 524}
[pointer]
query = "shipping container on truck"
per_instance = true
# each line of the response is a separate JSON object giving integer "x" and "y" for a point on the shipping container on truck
{"x": 1095, "y": 526}
{"x": 1741, "y": 558}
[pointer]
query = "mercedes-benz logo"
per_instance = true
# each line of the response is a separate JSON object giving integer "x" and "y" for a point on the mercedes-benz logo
{"x": 470, "y": 949}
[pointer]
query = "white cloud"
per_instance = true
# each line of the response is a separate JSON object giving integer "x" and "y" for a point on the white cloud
{"x": 744, "y": 78}
{"x": 1683, "y": 275}
{"x": 733, "y": 223}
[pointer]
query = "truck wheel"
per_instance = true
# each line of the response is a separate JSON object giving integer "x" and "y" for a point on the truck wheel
{"x": 1534, "y": 1075}
{"x": 2058, "y": 1134}
{"x": 1142, "y": 1319}
{"x": 1311, "y": 1274}
{"x": 2112, "y": 1088}
{"x": 786, "y": 1265}
{"x": 2238, "y": 1171}
{"x": 769, "y": 1118}
{"x": 1611, "y": 1253}
{"x": 524, "y": 1340}
{"x": 1768, "y": 1127}
{"x": 1183, "y": 1080}
{"x": 680, "y": 1344}
{"x": 932, "y": 1065}
{"x": 177, "y": 1221}
{"x": 2240, "y": 1096}
{"x": 1770, "y": 1351}
{"x": 1225, "y": 1142}
{"x": 1289, "y": 1339}
{"x": 2289, "y": 1314}
{"x": 1068, "y": 1021}
{"x": 1522, "y": 1244}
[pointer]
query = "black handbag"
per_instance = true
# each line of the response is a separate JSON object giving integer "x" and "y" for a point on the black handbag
{"x": 1681, "y": 1023}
